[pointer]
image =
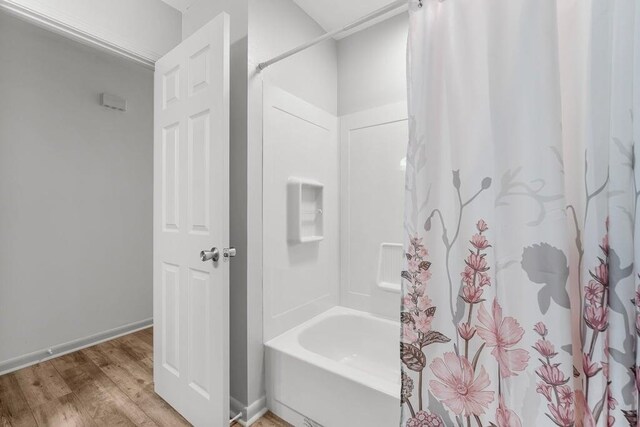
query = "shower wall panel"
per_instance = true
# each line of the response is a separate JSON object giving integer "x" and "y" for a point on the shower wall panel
{"x": 373, "y": 145}
{"x": 301, "y": 280}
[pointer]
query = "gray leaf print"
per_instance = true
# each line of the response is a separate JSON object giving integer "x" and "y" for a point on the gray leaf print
{"x": 616, "y": 274}
{"x": 511, "y": 186}
{"x": 435, "y": 407}
{"x": 548, "y": 266}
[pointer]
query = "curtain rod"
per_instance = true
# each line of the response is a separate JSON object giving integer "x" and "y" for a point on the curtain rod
{"x": 373, "y": 15}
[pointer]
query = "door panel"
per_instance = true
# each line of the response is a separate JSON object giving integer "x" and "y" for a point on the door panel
{"x": 191, "y": 214}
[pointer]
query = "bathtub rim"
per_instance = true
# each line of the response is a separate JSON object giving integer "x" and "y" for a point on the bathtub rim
{"x": 289, "y": 344}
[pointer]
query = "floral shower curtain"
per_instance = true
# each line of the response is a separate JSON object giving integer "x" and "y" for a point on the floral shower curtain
{"x": 520, "y": 295}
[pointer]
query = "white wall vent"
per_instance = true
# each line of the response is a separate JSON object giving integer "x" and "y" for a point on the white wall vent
{"x": 114, "y": 102}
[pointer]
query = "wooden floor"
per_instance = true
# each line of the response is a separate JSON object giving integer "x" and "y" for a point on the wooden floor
{"x": 110, "y": 384}
{"x": 268, "y": 420}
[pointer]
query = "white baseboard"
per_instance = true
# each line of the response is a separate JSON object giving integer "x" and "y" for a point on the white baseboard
{"x": 238, "y": 407}
{"x": 71, "y": 346}
{"x": 251, "y": 413}
{"x": 256, "y": 410}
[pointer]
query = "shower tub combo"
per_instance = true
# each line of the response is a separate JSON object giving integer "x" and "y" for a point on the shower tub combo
{"x": 339, "y": 368}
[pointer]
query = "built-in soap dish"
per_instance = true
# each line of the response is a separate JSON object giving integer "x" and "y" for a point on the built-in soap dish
{"x": 306, "y": 210}
{"x": 390, "y": 262}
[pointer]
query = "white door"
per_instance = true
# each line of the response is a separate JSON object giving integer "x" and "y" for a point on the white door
{"x": 191, "y": 214}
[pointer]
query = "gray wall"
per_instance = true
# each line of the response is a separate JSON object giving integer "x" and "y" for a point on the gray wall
{"x": 312, "y": 75}
{"x": 372, "y": 66}
{"x": 201, "y": 12}
{"x": 75, "y": 191}
{"x": 238, "y": 225}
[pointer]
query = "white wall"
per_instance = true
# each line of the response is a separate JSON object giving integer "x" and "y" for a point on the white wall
{"x": 274, "y": 27}
{"x": 147, "y": 27}
{"x": 372, "y": 66}
{"x": 76, "y": 191}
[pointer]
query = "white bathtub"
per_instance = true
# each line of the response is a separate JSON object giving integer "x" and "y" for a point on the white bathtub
{"x": 341, "y": 368}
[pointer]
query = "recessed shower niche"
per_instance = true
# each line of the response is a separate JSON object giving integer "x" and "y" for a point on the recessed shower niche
{"x": 305, "y": 210}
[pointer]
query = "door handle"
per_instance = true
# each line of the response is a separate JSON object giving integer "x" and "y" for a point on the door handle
{"x": 229, "y": 252}
{"x": 213, "y": 254}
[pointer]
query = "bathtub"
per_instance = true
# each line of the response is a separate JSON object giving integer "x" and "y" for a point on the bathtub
{"x": 341, "y": 368}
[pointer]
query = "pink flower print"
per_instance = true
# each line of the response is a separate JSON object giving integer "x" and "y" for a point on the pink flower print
{"x": 423, "y": 276}
{"x": 425, "y": 419}
{"x": 456, "y": 386}
{"x": 411, "y": 251}
{"x": 479, "y": 241}
{"x": 605, "y": 244}
{"x": 422, "y": 252}
{"x": 407, "y": 302}
{"x": 611, "y": 421}
{"x": 477, "y": 262}
{"x": 562, "y": 415}
{"x": 590, "y": 368}
{"x": 565, "y": 394}
{"x": 484, "y": 279}
{"x": 506, "y": 417}
{"x": 582, "y": 408}
{"x": 466, "y": 331}
{"x": 602, "y": 274}
{"x": 611, "y": 401}
{"x": 593, "y": 292}
{"x": 552, "y": 375}
{"x": 482, "y": 226}
{"x": 468, "y": 275}
{"x": 409, "y": 334}
{"x": 597, "y": 318}
{"x": 414, "y": 265}
{"x": 545, "y": 348}
{"x": 422, "y": 322}
{"x": 502, "y": 334}
{"x": 472, "y": 294}
{"x": 416, "y": 302}
{"x": 423, "y": 303}
{"x": 545, "y": 390}
{"x": 541, "y": 329}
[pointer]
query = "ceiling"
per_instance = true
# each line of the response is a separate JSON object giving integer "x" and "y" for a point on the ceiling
{"x": 181, "y": 5}
{"x": 334, "y": 14}
{"x": 330, "y": 14}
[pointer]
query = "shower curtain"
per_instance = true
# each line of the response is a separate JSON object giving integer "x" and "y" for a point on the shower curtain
{"x": 520, "y": 295}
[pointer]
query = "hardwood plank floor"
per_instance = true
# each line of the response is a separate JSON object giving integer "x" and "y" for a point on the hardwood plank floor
{"x": 109, "y": 384}
{"x": 268, "y": 420}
